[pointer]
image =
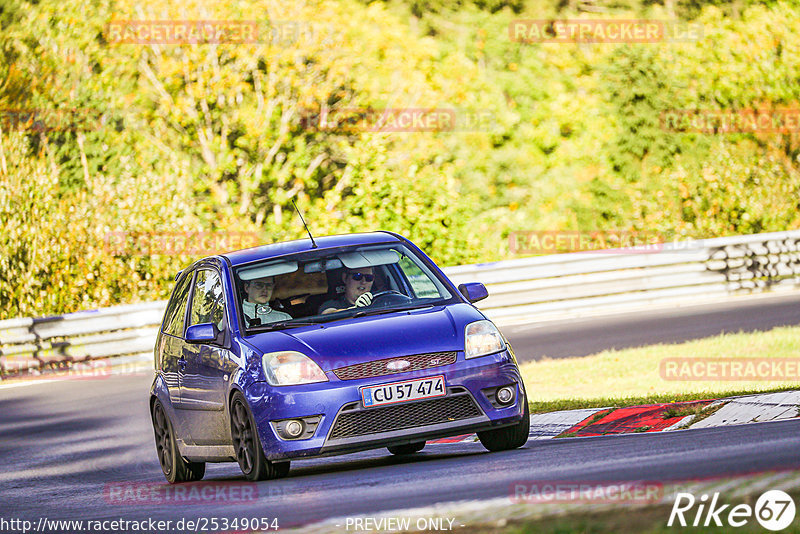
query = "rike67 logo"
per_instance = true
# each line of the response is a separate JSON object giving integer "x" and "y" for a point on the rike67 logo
{"x": 774, "y": 510}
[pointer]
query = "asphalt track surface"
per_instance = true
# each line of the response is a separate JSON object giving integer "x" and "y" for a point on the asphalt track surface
{"x": 581, "y": 337}
{"x": 65, "y": 443}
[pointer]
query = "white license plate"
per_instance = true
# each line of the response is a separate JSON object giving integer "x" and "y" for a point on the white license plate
{"x": 407, "y": 390}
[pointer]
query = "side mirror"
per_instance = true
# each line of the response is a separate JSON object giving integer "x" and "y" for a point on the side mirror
{"x": 473, "y": 291}
{"x": 202, "y": 333}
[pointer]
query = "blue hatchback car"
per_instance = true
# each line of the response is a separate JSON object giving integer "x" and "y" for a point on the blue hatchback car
{"x": 311, "y": 348}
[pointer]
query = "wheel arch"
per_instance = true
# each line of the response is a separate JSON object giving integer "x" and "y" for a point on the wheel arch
{"x": 160, "y": 392}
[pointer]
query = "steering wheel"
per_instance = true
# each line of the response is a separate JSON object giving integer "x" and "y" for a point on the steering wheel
{"x": 390, "y": 297}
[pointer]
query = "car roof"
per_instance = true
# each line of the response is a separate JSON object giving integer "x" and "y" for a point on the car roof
{"x": 240, "y": 257}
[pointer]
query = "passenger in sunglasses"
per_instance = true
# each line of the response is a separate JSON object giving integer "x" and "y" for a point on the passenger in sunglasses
{"x": 357, "y": 286}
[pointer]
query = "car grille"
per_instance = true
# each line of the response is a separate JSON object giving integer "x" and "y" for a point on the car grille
{"x": 378, "y": 367}
{"x": 355, "y": 421}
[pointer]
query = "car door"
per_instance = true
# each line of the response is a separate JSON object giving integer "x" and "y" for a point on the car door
{"x": 204, "y": 384}
{"x": 170, "y": 341}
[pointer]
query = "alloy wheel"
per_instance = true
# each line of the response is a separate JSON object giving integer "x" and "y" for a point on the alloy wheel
{"x": 242, "y": 433}
{"x": 163, "y": 439}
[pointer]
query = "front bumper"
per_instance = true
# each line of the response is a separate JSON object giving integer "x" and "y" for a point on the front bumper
{"x": 465, "y": 409}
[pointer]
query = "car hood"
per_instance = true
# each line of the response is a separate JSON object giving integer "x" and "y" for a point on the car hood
{"x": 352, "y": 341}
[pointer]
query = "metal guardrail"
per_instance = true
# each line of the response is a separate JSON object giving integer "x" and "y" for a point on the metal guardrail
{"x": 35, "y": 343}
{"x": 608, "y": 280}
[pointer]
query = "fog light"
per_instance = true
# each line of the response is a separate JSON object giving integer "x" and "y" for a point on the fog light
{"x": 293, "y": 428}
{"x": 505, "y": 395}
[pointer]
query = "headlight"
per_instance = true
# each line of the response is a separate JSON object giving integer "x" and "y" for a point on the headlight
{"x": 289, "y": 368}
{"x": 482, "y": 338}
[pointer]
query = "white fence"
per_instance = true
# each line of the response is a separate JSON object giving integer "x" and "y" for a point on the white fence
{"x": 609, "y": 280}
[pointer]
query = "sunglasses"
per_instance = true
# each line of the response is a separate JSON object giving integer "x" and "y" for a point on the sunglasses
{"x": 358, "y": 276}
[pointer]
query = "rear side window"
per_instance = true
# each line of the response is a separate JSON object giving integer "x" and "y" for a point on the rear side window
{"x": 208, "y": 302}
{"x": 176, "y": 310}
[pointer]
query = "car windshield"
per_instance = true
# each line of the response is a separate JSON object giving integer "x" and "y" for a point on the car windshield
{"x": 322, "y": 286}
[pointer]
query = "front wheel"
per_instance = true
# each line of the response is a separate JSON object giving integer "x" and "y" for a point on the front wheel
{"x": 510, "y": 437}
{"x": 174, "y": 467}
{"x": 247, "y": 444}
{"x": 408, "y": 448}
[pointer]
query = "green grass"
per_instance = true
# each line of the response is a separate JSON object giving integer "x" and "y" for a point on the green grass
{"x": 599, "y": 415}
{"x": 682, "y": 411}
{"x": 634, "y": 520}
{"x": 630, "y": 377}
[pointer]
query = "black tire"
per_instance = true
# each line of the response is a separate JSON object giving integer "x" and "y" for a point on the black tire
{"x": 281, "y": 469}
{"x": 510, "y": 437}
{"x": 408, "y": 448}
{"x": 247, "y": 444}
{"x": 175, "y": 468}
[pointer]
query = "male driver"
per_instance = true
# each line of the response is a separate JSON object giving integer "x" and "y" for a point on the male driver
{"x": 357, "y": 285}
{"x": 256, "y": 303}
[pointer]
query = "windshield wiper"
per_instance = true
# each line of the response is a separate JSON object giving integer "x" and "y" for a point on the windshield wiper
{"x": 280, "y": 325}
{"x": 379, "y": 311}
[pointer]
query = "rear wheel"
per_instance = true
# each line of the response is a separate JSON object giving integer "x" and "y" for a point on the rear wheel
{"x": 510, "y": 437}
{"x": 247, "y": 444}
{"x": 408, "y": 448}
{"x": 174, "y": 467}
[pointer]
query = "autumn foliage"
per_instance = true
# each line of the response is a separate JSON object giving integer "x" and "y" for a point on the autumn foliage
{"x": 101, "y": 134}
